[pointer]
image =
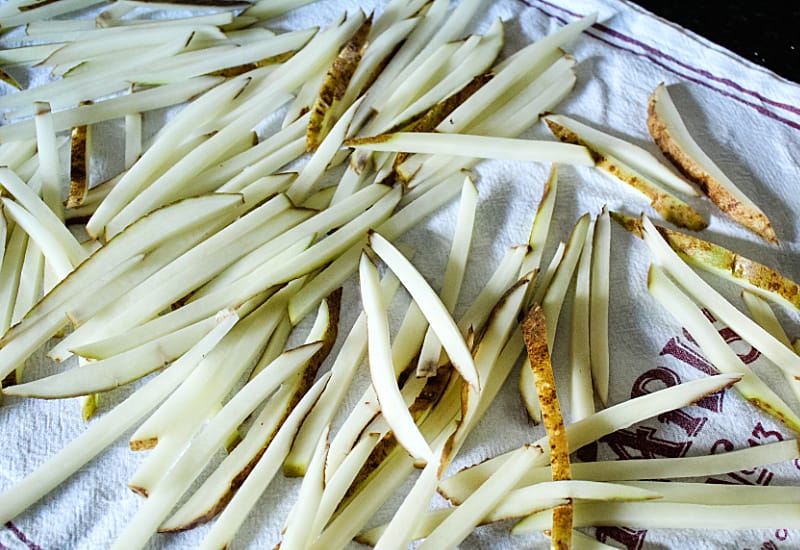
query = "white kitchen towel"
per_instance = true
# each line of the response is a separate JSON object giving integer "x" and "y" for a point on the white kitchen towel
{"x": 748, "y": 121}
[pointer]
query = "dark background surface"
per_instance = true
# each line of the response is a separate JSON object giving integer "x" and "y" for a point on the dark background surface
{"x": 766, "y": 32}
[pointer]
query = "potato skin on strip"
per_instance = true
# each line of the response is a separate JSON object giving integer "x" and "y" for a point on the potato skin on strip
{"x": 534, "y": 332}
{"x": 716, "y": 190}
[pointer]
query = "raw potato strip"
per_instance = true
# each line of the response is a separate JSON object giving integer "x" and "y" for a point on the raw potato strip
{"x": 537, "y": 240}
{"x": 672, "y": 137}
{"x": 762, "y": 314}
{"x": 397, "y": 534}
{"x": 177, "y": 130}
{"x": 510, "y": 120}
{"x": 349, "y": 358}
{"x": 581, "y": 392}
{"x": 694, "y": 285}
{"x": 177, "y": 177}
{"x": 534, "y": 332}
{"x": 670, "y": 207}
{"x": 716, "y": 349}
{"x": 115, "y": 371}
{"x": 527, "y": 384}
{"x": 109, "y": 428}
{"x": 727, "y": 264}
{"x": 718, "y": 493}
{"x": 435, "y": 312}
{"x": 324, "y": 153}
{"x": 328, "y": 104}
{"x": 296, "y": 534}
{"x": 43, "y": 215}
{"x": 343, "y": 266}
{"x": 636, "y": 157}
{"x": 228, "y": 523}
{"x": 469, "y": 514}
{"x": 523, "y": 501}
{"x": 180, "y": 475}
{"x": 476, "y": 146}
{"x": 599, "y": 304}
{"x": 428, "y": 361}
{"x": 381, "y": 366}
{"x": 602, "y": 423}
{"x": 55, "y": 254}
{"x": 120, "y": 106}
{"x": 556, "y": 290}
{"x": 459, "y": 486}
{"x": 674, "y": 515}
{"x": 49, "y": 314}
{"x": 37, "y": 11}
{"x": 49, "y": 163}
{"x": 80, "y": 147}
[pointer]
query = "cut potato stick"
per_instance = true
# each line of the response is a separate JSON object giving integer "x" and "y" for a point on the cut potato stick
{"x": 540, "y": 228}
{"x": 701, "y": 291}
{"x": 302, "y": 187}
{"x": 459, "y": 486}
{"x": 107, "y": 374}
{"x": 217, "y": 489}
{"x": 219, "y": 176}
{"x": 409, "y": 337}
{"x": 349, "y": 358}
{"x": 727, "y": 264}
{"x": 42, "y": 215}
{"x": 382, "y": 369}
{"x": 599, "y": 305}
{"x": 470, "y": 513}
{"x": 49, "y": 314}
{"x": 507, "y": 122}
{"x": 80, "y": 149}
{"x": 671, "y": 515}
{"x": 172, "y": 182}
{"x": 49, "y": 163}
{"x": 535, "y": 333}
{"x": 669, "y": 206}
{"x": 717, "y": 349}
{"x": 714, "y": 493}
{"x": 397, "y": 534}
{"x": 524, "y": 501}
{"x": 440, "y": 320}
{"x": 636, "y": 157}
{"x": 476, "y": 146}
{"x": 762, "y": 314}
{"x": 44, "y": 10}
{"x": 673, "y": 138}
{"x": 347, "y": 263}
{"x": 428, "y": 361}
{"x": 395, "y": 469}
{"x": 464, "y": 68}
{"x": 329, "y": 102}
{"x": 229, "y": 521}
{"x": 49, "y": 243}
{"x": 208, "y": 106}
{"x": 180, "y": 276}
{"x": 556, "y": 291}
{"x": 603, "y": 422}
{"x": 296, "y": 534}
{"x": 581, "y": 391}
{"x": 166, "y": 494}
{"x": 107, "y": 429}
{"x": 209, "y": 384}
{"x": 119, "y": 106}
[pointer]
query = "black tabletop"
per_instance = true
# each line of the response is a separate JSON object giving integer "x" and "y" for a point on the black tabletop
{"x": 763, "y": 31}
